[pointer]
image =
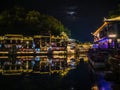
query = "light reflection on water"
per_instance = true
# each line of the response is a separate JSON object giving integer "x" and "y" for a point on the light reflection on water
{"x": 102, "y": 83}
{"x": 63, "y": 65}
{"x": 37, "y": 64}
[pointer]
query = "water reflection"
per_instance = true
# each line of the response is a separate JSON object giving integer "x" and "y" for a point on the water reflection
{"x": 71, "y": 73}
{"x": 37, "y": 64}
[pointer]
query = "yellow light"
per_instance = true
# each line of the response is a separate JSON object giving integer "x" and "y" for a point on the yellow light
{"x": 112, "y": 35}
{"x": 100, "y": 28}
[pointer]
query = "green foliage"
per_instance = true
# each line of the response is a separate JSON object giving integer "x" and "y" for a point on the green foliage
{"x": 18, "y": 20}
{"x": 114, "y": 13}
{"x": 32, "y": 17}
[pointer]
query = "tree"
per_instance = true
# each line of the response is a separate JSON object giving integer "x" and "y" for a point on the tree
{"x": 32, "y": 17}
{"x": 12, "y": 20}
{"x": 52, "y": 24}
{"x": 18, "y": 20}
{"x": 115, "y": 13}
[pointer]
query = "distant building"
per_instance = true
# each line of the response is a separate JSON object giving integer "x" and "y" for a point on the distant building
{"x": 17, "y": 43}
{"x": 71, "y": 46}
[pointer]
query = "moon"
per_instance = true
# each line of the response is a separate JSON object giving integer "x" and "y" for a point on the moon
{"x": 70, "y": 12}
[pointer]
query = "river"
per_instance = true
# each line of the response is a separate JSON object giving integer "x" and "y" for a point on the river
{"x": 46, "y": 73}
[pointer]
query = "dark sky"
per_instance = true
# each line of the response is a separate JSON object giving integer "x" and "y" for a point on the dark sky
{"x": 80, "y": 16}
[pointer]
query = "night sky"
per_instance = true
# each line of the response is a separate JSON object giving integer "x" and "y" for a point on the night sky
{"x": 80, "y": 16}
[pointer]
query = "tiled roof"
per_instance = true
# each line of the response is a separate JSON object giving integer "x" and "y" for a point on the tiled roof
{"x": 106, "y": 21}
{"x": 112, "y": 19}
